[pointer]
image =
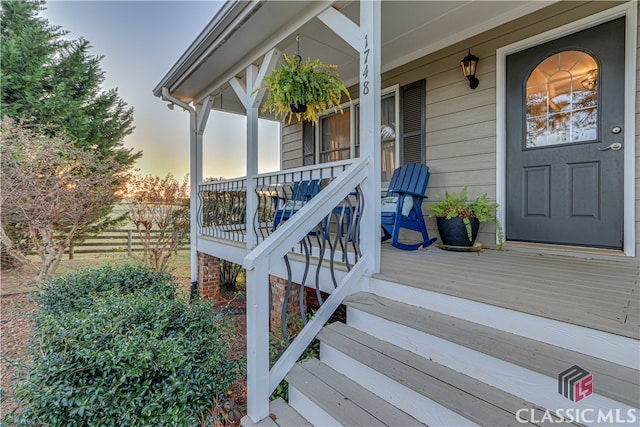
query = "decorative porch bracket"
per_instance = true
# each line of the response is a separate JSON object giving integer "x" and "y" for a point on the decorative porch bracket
{"x": 251, "y": 98}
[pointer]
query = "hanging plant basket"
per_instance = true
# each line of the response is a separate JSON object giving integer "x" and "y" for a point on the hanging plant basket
{"x": 305, "y": 90}
{"x": 298, "y": 108}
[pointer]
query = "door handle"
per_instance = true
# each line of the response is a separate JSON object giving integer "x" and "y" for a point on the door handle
{"x": 614, "y": 147}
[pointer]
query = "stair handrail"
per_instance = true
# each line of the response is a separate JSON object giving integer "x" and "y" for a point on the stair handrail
{"x": 261, "y": 381}
{"x": 292, "y": 231}
{"x": 291, "y": 355}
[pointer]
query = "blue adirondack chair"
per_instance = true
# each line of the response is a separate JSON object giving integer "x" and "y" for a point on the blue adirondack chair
{"x": 301, "y": 193}
{"x": 402, "y": 206}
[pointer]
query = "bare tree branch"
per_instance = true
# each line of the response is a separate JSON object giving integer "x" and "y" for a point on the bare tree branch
{"x": 160, "y": 205}
{"x": 53, "y": 189}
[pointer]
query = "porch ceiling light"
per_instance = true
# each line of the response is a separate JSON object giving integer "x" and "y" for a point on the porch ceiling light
{"x": 468, "y": 65}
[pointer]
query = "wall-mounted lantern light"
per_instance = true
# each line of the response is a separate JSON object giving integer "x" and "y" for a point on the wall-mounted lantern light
{"x": 468, "y": 65}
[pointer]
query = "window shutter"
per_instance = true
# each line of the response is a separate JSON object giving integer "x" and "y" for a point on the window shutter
{"x": 412, "y": 122}
{"x": 308, "y": 144}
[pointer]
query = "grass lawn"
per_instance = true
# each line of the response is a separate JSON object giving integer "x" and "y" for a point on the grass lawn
{"x": 21, "y": 280}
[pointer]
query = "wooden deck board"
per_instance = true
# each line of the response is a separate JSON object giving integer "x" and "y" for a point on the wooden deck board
{"x": 385, "y": 412}
{"x": 596, "y": 293}
{"x": 322, "y": 394}
{"x": 284, "y": 415}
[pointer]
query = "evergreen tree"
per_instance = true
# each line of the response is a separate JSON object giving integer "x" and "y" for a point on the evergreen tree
{"x": 54, "y": 81}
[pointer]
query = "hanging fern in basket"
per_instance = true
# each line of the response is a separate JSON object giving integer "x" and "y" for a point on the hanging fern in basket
{"x": 312, "y": 83}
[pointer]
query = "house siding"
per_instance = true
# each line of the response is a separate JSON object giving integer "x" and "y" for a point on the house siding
{"x": 461, "y": 123}
{"x": 291, "y": 147}
{"x": 637, "y": 138}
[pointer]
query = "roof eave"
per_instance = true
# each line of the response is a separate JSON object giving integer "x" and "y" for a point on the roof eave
{"x": 220, "y": 24}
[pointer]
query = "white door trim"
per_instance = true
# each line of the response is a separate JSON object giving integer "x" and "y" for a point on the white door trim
{"x": 629, "y": 11}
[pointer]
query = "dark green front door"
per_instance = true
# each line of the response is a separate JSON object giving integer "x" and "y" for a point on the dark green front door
{"x": 565, "y": 108}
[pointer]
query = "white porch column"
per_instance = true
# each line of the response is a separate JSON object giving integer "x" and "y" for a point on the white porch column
{"x": 251, "y": 98}
{"x": 252, "y": 162}
{"x": 201, "y": 116}
{"x": 370, "y": 11}
{"x": 257, "y": 294}
{"x": 366, "y": 40}
{"x": 197, "y": 122}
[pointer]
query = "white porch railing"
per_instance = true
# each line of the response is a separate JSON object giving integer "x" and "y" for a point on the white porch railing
{"x": 330, "y": 218}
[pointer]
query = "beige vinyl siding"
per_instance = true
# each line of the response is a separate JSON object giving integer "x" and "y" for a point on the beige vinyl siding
{"x": 637, "y": 135}
{"x": 291, "y": 147}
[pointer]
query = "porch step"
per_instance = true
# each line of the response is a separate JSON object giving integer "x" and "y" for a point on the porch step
{"x": 397, "y": 363}
{"x": 430, "y": 392}
{"x": 282, "y": 415}
{"x": 518, "y": 365}
{"x": 326, "y": 397}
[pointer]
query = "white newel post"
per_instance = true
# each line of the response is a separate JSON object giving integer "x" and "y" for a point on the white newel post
{"x": 258, "y": 342}
{"x": 370, "y": 127}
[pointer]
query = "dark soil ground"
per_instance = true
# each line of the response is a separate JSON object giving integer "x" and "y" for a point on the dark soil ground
{"x": 15, "y": 333}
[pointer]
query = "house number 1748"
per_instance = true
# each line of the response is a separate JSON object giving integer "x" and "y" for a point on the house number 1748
{"x": 365, "y": 70}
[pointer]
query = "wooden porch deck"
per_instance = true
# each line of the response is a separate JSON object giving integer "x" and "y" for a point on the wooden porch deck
{"x": 596, "y": 293}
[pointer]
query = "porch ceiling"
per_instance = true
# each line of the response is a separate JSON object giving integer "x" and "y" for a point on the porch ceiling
{"x": 242, "y": 32}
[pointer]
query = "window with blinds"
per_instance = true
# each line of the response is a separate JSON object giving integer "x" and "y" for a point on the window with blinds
{"x": 402, "y": 133}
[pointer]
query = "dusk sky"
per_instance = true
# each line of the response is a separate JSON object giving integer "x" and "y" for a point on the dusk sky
{"x": 140, "y": 41}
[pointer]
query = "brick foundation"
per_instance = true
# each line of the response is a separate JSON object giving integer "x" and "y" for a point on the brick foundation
{"x": 279, "y": 290}
{"x": 208, "y": 277}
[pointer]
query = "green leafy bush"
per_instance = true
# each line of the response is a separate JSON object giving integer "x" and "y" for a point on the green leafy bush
{"x": 138, "y": 358}
{"x": 78, "y": 291}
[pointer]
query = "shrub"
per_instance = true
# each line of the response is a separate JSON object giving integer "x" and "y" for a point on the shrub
{"x": 229, "y": 273}
{"x": 78, "y": 291}
{"x": 138, "y": 358}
